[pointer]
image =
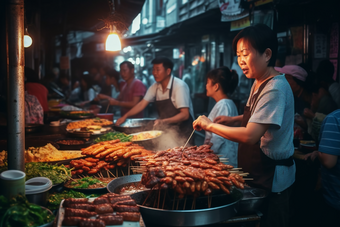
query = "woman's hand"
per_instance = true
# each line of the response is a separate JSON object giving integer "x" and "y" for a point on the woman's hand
{"x": 120, "y": 121}
{"x": 201, "y": 123}
{"x": 312, "y": 155}
{"x": 224, "y": 120}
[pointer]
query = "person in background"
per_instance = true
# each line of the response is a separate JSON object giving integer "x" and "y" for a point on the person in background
{"x": 221, "y": 82}
{"x": 64, "y": 84}
{"x": 131, "y": 92}
{"x": 172, "y": 100}
{"x": 328, "y": 154}
{"x": 106, "y": 88}
{"x": 265, "y": 136}
{"x": 34, "y": 112}
{"x": 33, "y": 87}
{"x": 116, "y": 85}
{"x": 325, "y": 73}
{"x": 85, "y": 92}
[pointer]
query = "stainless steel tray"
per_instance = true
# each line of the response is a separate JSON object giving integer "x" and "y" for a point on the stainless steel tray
{"x": 253, "y": 198}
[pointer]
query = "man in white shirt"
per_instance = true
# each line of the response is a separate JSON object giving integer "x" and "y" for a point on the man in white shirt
{"x": 172, "y": 100}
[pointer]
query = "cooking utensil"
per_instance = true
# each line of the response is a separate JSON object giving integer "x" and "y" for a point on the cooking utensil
{"x": 117, "y": 184}
{"x": 86, "y": 143}
{"x": 133, "y": 125}
{"x": 252, "y": 200}
{"x": 222, "y": 208}
{"x": 188, "y": 139}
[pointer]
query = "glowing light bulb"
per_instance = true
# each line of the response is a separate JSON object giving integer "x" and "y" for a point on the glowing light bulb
{"x": 27, "y": 41}
{"x": 113, "y": 43}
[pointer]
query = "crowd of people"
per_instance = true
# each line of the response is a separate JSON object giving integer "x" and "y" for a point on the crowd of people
{"x": 282, "y": 101}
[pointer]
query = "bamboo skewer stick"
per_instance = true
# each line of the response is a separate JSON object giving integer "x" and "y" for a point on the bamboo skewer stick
{"x": 185, "y": 201}
{"x": 129, "y": 167}
{"x": 173, "y": 204}
{"x": 112, "y": 174}
{"x": 164, "y": 199}
{"x": 248, "y": 178}
{"x": 147, "y": 197}
{"x": 159, "y": 197}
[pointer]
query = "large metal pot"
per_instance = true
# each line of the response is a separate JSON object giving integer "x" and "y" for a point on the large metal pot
{"x": 223, "y": 207}
{"x": 133, "y": 125}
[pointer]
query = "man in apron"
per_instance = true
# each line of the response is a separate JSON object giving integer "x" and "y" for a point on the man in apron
{"x": 172, "y": 101}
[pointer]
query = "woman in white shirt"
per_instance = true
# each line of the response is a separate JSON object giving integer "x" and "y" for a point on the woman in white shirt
{"x": 221, "y": 83}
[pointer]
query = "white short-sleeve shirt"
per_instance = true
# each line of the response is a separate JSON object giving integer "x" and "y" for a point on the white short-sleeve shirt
{"x": 180, "y": 94}
{"x": 275, "y": 107}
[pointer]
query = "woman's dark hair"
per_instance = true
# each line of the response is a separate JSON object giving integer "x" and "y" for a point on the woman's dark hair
{"x": 112, "y": 73}
{"x": 260, "y": 37}
{"x": 86, "y": 77}
{"x": 129, "y": 64}
{"x": 325, "y": 71}
{"x": 228, "y": 79}
{"x": 167, "y": 63}
{"x": 31, "y": 75}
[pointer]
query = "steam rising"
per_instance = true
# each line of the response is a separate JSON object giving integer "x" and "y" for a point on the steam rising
{"x": 169, "y": 139}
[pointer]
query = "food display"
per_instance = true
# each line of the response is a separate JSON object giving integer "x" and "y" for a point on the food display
{"x": 132, "y": 188}
{"x": 194, "y": 171}
{"x": 113, "y": 136}
{"x": 49, "y": 153}
{"x": 88, "y": 183}
{"x": 70, "y": 142}
{"x": 98, "y": 211}
{"x": 17, "y": 211}
{"x": 88, "y": 122}
{"x": 77, "y": 113}
{"x": 55, "y": 199}
{"x": 114, "y": 152}
{"x": 146, "y": 135}
{"x": 56, "y": 173}
{"x": 46, "y": 153}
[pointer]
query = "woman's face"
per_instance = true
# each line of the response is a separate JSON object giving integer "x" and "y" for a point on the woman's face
{"x": 210, "y": 87}
{"x": 252, "y": 63}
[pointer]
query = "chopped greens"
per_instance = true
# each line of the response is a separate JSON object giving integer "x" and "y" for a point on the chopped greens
{"x": 113, "y": 136}
{"x": 57, "y": 174}
{"x": 85, "y": 182}
{"x": 54, "y": 200}
{"x": 17, "y": 211}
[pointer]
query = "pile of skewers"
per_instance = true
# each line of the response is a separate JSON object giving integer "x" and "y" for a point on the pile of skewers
{"x": 189, "y": 171}
{"x": 107, "y": 155}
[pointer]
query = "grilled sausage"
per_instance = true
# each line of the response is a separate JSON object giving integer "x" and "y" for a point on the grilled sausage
{"x": 100, "y": 200}
{"x": 130, "y": 202}
{"x": 72, "y": 221}
{"x": 115, "y": 199}
{"x": 91, "y": 223}
{"x": 112, "y": 219}
{"x": 130, "y": 216}
{"x": 74, "y": 201}
{"x": 125, "y": 208}
{"x": 104, "y": 208}
{"x": 69, "y": 212}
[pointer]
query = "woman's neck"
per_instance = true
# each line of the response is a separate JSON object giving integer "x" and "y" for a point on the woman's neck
{"x": 219, "y": 96}
{"x": 270, "y": 72}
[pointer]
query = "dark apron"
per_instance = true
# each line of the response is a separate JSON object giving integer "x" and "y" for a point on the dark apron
{"x": 252, "y": 159}
{"x": 166, "y": 109}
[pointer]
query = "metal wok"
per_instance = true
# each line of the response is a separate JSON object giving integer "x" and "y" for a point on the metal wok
{"x": 222, "y": 208}
{"x": 115, "y": 185}
{"x": 133, "y": 125}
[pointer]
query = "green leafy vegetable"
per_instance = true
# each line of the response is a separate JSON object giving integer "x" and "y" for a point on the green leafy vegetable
{"x": 17, "y": 211}
{"x": 113, "y": 136}
{"x": 57, "y": 174}
{"x": 54, "y": 200}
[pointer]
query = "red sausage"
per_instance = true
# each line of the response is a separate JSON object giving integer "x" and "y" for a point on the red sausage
{"x": 125, "y": 208}
{"x": 69, "y": 212}
{"x": 130, "y": 216}
{"x": 112, "y": 219}
{"x": 91, "y": 223}
{"x": 104, "y": 208}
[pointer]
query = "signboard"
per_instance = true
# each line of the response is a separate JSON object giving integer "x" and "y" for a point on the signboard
{"x": 239, "y": 24}
{"x": 320, "y": 46}
{"x": 334, "y": 41}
